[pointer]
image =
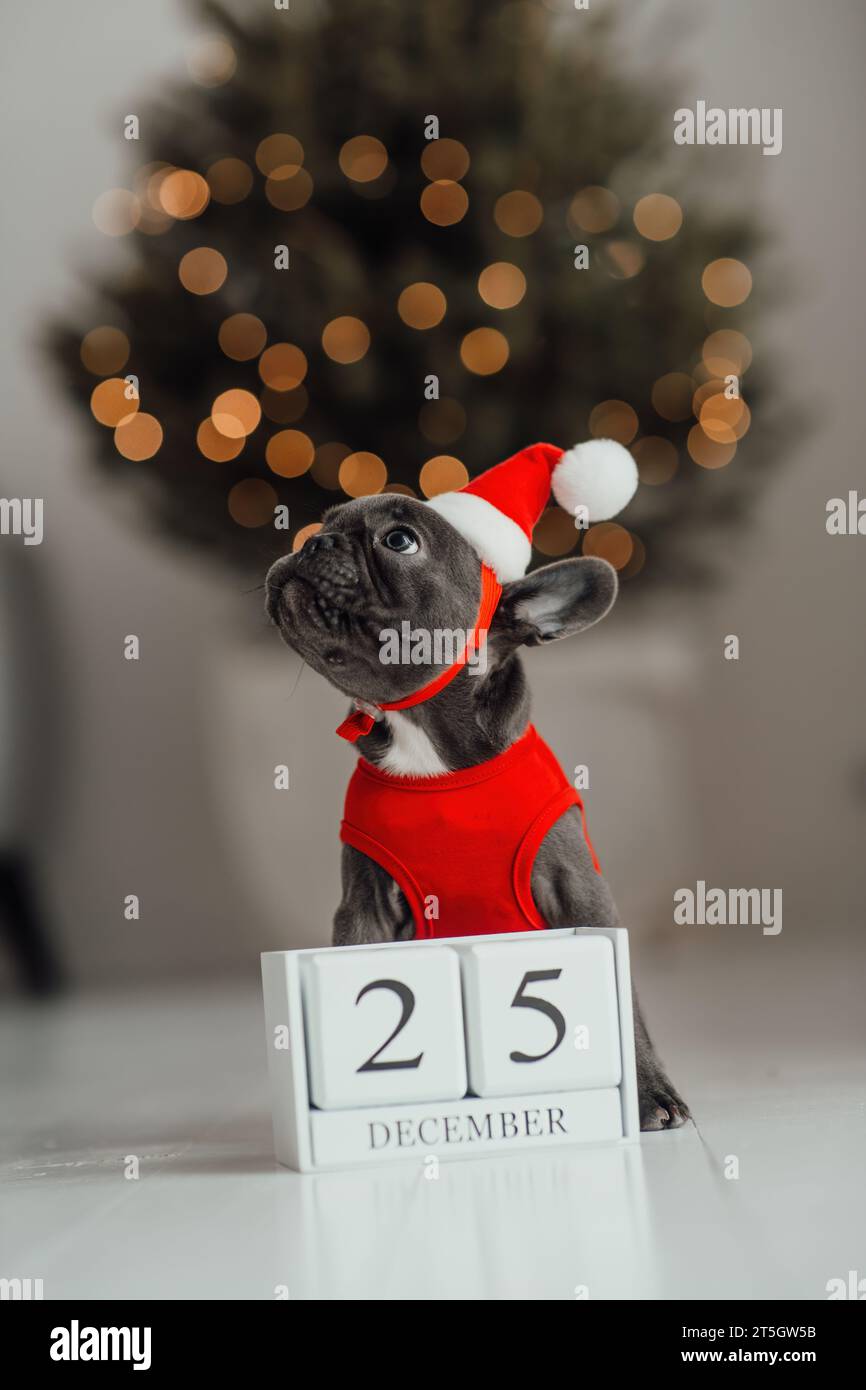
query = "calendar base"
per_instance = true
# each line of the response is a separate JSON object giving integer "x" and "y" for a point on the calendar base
{"x": 464, "y": 1129}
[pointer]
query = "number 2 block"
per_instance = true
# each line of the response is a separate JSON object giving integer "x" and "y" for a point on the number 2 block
{"x": 542, "y": 1019}
{"x": 383, "y": 1026}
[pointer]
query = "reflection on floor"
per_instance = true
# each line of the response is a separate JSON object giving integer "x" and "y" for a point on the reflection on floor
{"x": 767, "y": 1045}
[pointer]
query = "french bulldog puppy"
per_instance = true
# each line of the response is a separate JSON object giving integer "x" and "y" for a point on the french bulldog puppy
{"x": 376, "y": 562}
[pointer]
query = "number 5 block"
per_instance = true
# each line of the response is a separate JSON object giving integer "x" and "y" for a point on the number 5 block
{"x": 383, "y": 1027}
{"x": 542, "y": 1017}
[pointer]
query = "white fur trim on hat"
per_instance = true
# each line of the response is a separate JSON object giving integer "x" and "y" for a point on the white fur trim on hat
{"x": 600, "y": 475}
{"x": 496, "y": 539}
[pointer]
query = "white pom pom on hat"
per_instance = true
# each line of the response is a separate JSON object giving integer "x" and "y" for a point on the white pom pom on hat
{"x": 497, "y": 512}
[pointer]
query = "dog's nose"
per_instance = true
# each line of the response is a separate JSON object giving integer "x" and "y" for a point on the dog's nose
{"x": 321, "y": 540}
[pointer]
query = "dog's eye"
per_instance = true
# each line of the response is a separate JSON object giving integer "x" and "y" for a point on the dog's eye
{"x": 401, "y": 540}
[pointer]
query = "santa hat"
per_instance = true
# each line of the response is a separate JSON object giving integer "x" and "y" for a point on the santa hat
{"x": 496, "y": 512}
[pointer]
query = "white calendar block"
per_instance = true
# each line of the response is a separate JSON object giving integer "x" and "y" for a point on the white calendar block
{"x": 331, "y": 1015}
{"x": 541, "y": 1016}
{"x": 383, "y": 1028}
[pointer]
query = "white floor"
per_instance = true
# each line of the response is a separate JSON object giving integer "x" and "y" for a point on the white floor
{"x": 771, "y": 1056}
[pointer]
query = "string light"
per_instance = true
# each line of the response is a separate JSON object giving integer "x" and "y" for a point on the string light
{"x": 363, "y": 158}
{"x": 727, "y": 353}
{"x": 445, "y": 159}
{"x": 484, "y": 351}
{"x": 726, "y": 282}
{"x": 325, "y": 468}
{"x": 183, "y": 194}
{"x": 242, "y": 336}
{"x": 609, "y": 541}
{"x": 442, "y": 474}
{"x": 518, "y": 213}
{"x": 594, "y": 209}
{"x": 672, "y": 396}
{"x": 613, "y": 420}
{"x": 229, "y": 180}
{"x": 656, "y": 458}
{"x": 346, "y": 339}
{"x": 251, "y": 502}
{"x": 289, "y": 453}
{"x": 502, "y": 285}
{"x": 116, "y": 212}
{"x": 138, "y": 437}
{"x": 203, "y": 270}
{"x": 282, "y": 367}
{"x": 444, "y": 202}
{"x": 291, "y": 192}
{"x": 236, "y": 413}
{"x": 212, "y": 61}
{"x": 658, "y": 217}
{"x": 111, "y": 403}
{"x": 422, "y": 305}
{"x": 555, "y": 532}
{"x": 215, "y": 446}
{"x": 104, "y": 350}
{"x": 279, "y": 156}
{"x": 362, "y": 474}
{"x": 304, "y": 533}
{"x": 709, "y": 453}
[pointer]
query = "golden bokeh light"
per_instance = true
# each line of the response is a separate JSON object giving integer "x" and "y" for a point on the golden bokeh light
{"x": 280, "y": 156}
{"x": 325, "y": 468}
{"x": 656, "y": 458}
{"x": 613, "y": 420}
{"x": 211, "y": 61}
{"x": 289, "y": 193}
{"x": 484, "y": 351}
{"x": 594, "y": 209}
{"x": 112, "y": 402}
{"x": 361, "y": 474}
{"x": 303, "y": 534}
{"x": 727, "y": 353}
{"x": 609, "y": 541}
{"x": 442, "y": 421}
{"x": 672, "y": 396}
{"x": 658, "y": 217}
{"x": 555, "y": 532}
{"x": 242, "y": 336}
{"x": 442, "y": 474}
{"x": 284, "y": 407}
{"x": 282, "y": 367}
{"x": 445, "y": 159}
{"x": 625, "y": 259}
{"x": 236, "y": 413}
{"x": 138, "y": 437}
{"x": 635, "y": 564}
{"x": 422, "y": 305}
{"x": 251, "y": 502}
{"x": 345, "y": 339}
{"x": 726, "y": 282}
{"x": 203, "y": 270}
{"x": 229, "y": 180}
{"x": 116, "y": 212}
{"x": 183, "y": 194}
{"x": 104, "y": 350}
{"x": 502, "y": 285}
{"x": 215, "y": 446}
{"x": 518, "y": 213}
{"x": 402, "y": 489}
{"x": 712, "y": 387}
{"x": 709, "y": 453}
{"x": 289, "y": 453}
{"x": 724, "y": 420}
{"x": 444, "y": 202}
{"x": 363, "y": 158}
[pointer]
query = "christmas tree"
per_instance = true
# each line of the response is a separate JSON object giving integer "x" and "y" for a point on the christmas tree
{"x": 378, "y": 245}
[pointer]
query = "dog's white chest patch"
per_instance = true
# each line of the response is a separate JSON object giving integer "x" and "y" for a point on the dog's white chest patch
{"x": 411, "y": 753}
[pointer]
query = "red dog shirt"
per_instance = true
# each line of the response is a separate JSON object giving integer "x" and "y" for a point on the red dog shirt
{"x": 467, "y": 839}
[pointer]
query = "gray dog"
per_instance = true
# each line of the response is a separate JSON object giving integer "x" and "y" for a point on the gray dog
{"x": 376, "y": 562}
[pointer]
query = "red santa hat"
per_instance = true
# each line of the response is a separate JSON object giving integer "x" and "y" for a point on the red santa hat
{"x": 496, "y": 512}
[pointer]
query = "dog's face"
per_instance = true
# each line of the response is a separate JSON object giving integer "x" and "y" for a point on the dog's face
{"x": 379, "y": 562}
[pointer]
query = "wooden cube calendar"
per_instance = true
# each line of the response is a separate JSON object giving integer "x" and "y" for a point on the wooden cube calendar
{"x": 455, "y": 1047}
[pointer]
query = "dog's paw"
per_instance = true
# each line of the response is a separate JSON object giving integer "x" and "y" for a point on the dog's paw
{"x": 660, "y": 1105}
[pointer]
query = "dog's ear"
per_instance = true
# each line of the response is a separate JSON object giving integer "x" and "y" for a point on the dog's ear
{"x": 555, "y": 601}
